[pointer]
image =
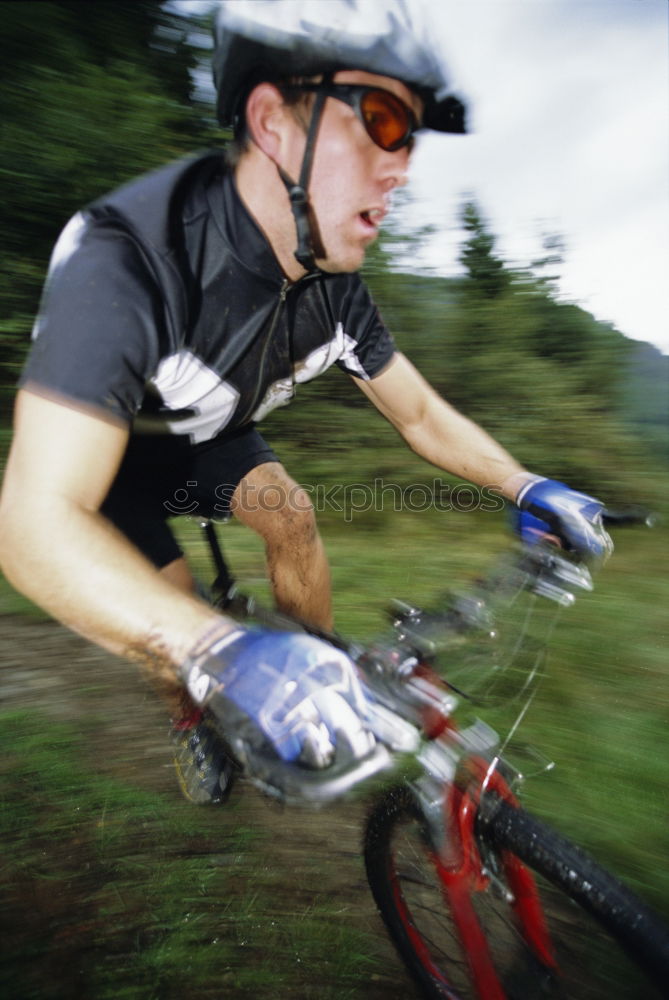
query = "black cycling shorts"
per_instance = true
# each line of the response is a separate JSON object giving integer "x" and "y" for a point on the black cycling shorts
{"x": 164, "y": 476}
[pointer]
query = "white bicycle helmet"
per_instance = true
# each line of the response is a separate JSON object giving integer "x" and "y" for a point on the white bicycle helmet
{"x": 279, "y": 40}
{"x": 272, "y": 39}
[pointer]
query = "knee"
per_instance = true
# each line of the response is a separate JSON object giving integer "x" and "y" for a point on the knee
{"x": 294, "y": 524}
{"x": 277, "y": 508}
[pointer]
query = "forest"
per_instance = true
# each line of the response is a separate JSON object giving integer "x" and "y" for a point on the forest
{"x": 91, "y": 101}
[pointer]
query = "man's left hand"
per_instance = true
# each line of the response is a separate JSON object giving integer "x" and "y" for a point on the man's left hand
{"x": 550, "y": 508}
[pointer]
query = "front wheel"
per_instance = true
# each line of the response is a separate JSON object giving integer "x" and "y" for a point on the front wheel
{"x": 552, "y": 923}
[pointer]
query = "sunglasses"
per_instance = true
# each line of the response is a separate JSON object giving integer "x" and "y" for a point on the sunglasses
{"x": 388, "y": 121}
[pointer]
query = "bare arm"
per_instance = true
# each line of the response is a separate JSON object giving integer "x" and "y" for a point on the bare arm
{"x": 57, "y": 549}
{"x": 437, "y": 432}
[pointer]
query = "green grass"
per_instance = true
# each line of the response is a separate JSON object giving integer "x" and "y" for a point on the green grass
{"x": 373, "y": 559}
{"x": 603, "y": 713}
{"x": 108, "y": 891}
{"x": 158, "y": 902}
{"x": 12, "y": 603}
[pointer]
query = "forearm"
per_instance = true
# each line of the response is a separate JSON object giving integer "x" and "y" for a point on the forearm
{"x": 79, "y": 568}
{"x": 438, "y": 432}
{"x": 452, "y": 442}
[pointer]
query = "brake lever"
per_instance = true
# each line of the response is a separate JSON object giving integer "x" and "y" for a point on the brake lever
{"x": 552, "y": 575}
{"x": 560, "y": 579}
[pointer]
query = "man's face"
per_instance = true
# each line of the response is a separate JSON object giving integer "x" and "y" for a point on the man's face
{"x": 352, "y": 178}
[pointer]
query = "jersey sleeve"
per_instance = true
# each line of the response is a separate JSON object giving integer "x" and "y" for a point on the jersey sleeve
{"x": 96, "y": 340}
{"x": 368, "y": 344}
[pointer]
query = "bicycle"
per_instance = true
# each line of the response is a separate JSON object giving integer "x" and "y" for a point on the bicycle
{"x": 475, "y": 893}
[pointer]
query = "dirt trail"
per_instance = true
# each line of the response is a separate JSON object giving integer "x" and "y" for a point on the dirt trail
{"x": 310, "y": 858}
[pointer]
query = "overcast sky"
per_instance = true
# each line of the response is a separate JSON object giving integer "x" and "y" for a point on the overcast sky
{"x": 569, "y": 106}
{"x": 570, "y": 115}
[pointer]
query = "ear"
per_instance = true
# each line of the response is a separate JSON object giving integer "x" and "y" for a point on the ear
{"x": 266, "y": 118}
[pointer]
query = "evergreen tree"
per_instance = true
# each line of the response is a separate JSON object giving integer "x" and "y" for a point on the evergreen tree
{"x": 484, "y": 269}
{"x": 92, "y": 94}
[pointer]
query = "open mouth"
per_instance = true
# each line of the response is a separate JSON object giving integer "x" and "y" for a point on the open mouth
{"x": 372, "y": 217}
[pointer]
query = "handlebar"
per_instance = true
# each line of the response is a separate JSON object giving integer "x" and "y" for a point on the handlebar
{"x": 405, "y": 697}
{"x": 630, "y": 514}
{"x": 298, "y": 785}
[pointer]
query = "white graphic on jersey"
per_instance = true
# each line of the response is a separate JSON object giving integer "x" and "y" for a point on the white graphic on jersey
{"x": 68, "y": 241}
{"x": 341, "y": 347}
{"x": 348, "y": 355}
{"x": 66, "y": 244}
{"x": 184, "y": 382}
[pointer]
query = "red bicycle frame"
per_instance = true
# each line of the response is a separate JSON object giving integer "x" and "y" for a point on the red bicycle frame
{"x": 462, "y": 873}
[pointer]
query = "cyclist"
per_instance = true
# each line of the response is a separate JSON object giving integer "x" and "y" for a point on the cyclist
{"x": 177, "y": 312}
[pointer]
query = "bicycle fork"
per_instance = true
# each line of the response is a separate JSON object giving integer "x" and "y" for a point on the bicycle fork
{"x": 463, "y": 872}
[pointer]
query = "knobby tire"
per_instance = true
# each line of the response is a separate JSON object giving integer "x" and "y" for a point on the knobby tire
{"x": 608, "y": 945}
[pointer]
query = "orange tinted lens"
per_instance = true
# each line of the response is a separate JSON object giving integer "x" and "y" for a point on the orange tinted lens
{"x": 386, "y": 119}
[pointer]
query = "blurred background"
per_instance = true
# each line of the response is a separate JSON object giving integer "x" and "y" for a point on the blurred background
{"x": 111, "y": 886}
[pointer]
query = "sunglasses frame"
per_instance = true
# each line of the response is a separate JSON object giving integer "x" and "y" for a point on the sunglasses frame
{"x": 353, "y": 95}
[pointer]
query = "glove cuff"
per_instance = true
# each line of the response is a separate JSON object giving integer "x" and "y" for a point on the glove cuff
{"x": 519, "y": 483}
{"x": 212, "y": 645}
{"x": 220, "y": 630}
{"x": 527, "y": 486}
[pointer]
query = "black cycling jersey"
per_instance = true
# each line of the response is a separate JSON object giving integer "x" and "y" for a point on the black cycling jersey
{"x": 166, "y": 307}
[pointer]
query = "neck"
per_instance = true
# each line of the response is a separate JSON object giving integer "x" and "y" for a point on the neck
{"x": 265, "y": 197}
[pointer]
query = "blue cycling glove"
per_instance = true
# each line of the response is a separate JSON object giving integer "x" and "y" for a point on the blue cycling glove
{"x": 548, "y": 507}
{"x": 299, "y": 693}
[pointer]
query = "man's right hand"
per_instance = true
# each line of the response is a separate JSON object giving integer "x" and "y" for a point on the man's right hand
{"x": 301, "y": 693}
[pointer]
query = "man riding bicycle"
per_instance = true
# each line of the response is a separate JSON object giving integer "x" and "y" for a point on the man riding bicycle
{"x": 182, "y": 308}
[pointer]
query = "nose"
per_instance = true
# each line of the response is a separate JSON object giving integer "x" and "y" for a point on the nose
{"x": 395, "y": 172}
{"x": 399, "y": 179}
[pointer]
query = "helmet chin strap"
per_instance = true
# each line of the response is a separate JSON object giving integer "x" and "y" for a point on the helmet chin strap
{"x": 309, "y": 244}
